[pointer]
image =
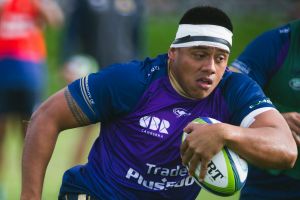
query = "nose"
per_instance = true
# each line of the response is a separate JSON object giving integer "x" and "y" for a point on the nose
{"x": 209, "y": 65}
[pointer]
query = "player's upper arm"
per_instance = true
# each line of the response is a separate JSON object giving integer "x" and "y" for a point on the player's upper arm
{"x": 270, "y": 118}
{"x": 61, "y": 111}
{"x": 244, "y": 98}
{"x": 111, "y": 93}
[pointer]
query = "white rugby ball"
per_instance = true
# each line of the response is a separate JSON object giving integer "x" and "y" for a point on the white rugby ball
{"x": 227, "y": 172}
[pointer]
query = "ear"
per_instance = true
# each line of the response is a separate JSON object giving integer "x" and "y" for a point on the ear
{"x": 172, "y": 53}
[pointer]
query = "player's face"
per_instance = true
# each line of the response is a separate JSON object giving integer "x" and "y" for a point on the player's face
{"x": 198, "y": 70}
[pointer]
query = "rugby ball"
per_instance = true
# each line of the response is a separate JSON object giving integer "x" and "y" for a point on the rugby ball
{"x": 226, "y": 173}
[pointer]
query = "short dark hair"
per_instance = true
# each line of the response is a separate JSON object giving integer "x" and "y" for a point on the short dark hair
{"x": 206, "y": 15}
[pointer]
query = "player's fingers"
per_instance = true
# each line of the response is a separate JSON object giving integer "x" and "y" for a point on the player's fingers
{"x": 297, "y": 122}
{"x": 193, "y": 164}
{"x": 294, "y": 128}
{"x": 297, "y": 127}
{"x": 183, "y": 148}
{"x": 189, "y": 128}
{"x": 296, "y": 138}
{"x": 297, "y": 130}
{"x": 297, "y": 116}
{"x": 185, "y": 144}
{"x": 186, "y": 156}
{"x": 203, "y": 171}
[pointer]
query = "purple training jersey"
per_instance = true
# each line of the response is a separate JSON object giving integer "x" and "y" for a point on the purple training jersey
{"x": 137, "y": 154}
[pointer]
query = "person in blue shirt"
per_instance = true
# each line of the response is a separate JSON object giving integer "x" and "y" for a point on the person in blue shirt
{"x": 145, "y": 106}
{"x": 272, "y": 60}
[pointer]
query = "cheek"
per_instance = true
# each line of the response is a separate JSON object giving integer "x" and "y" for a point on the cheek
{"x": 188, "y": 67}
{"x": 220, "y": 71}
{"x": 187, "y": 74}
{"x": 183, "y": 69}
{"x": 219, "y": 74}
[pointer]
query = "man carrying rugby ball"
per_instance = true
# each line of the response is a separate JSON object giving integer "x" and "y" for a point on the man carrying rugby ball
{"x": 144, "y": 107}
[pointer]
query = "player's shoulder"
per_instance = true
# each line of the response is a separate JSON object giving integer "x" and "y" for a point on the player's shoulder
{"x": 235, "y": 78}
{"x": 156, "y": 67}
{"x": 234, "y": 82}
{"x": 242, "y": 95}
{"x": 134, "y": 69}
{"x": 118, "y": 87}
{"x": 135, "y": 75}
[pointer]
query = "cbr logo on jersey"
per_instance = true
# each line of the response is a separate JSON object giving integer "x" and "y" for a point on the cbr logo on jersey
{"x": 154, "y": 124}
{"x": 179, "y": 112}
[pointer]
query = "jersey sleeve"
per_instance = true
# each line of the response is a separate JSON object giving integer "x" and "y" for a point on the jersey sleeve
{"x": 110, "y": 93}
{"x": 262, "y": 56}
{"x": 245, "y": 98}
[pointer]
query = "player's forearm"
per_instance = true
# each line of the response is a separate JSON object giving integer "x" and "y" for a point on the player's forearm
{"x": 40, "y": 140}
{"x": 266, "y": 147}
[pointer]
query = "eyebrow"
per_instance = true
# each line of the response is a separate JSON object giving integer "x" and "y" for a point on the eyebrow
{"x": 207, "y": 47}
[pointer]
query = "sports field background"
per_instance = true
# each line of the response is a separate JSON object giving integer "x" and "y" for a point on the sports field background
{"x": 159, "y": 34}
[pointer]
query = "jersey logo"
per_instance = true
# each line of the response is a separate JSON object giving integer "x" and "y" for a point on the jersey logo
{"x": 284, "y": 30}
{"x": 153, "y": 69}
{"x": 179, "y": 112}
{"x": 295, "y": 84}
{"x": 267, "y": 100}
{"x": 155, "y": 124}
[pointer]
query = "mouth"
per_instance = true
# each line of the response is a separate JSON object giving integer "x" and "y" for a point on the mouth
{"x": 204, "y": 83}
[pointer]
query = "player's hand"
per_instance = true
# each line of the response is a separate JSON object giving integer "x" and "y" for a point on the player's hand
{"x": 297, "y": 138}
{"x": 202, "y": 143}
{"x": 293, "y": 120}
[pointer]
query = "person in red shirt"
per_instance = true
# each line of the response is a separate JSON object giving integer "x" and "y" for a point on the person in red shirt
{"x": 23, "y": 58}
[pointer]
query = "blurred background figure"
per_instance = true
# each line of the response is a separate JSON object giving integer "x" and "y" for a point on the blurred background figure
{"x": 99, "y": 32}
{"x": 272, "y": 59}
{"x": 22, "y": 60}
{"x": 78, "y": 66}
{"x": 293, "y": 13}
{"x": 108, "y": 30}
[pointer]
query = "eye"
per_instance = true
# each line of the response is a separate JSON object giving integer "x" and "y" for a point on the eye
{"x": 199, "y": 55}
{"x": 221, "y": 58}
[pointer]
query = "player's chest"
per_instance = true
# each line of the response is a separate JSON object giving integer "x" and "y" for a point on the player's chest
{"x": 164, "y": 115}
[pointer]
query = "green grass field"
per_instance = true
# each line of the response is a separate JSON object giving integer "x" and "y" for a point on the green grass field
{"x": 160, "y": 33}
